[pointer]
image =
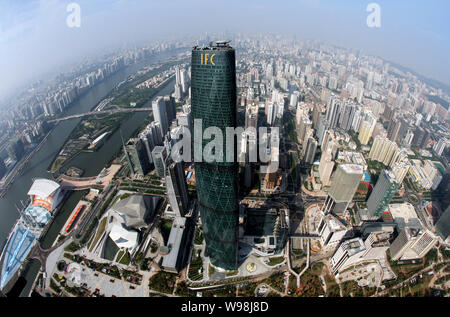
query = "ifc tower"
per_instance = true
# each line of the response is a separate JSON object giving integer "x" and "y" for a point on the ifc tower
{"x": 213, "y": 98}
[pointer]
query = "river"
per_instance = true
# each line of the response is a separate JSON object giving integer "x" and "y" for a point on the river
{"x": 91, "y": 163}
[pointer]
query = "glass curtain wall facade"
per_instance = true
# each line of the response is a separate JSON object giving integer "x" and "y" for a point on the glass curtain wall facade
{"x": 213, "y": 94}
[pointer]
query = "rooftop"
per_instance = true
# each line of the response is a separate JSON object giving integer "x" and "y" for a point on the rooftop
{"x": 217, "y": 45}
{"x": 404, "y": 215}
{"x": 333, "y": 223}
{"x": 352, "y": 168}
{"x": 43, "y": 188}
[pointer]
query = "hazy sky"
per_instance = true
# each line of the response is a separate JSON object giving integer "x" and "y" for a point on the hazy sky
{"x": 34, "y": 37}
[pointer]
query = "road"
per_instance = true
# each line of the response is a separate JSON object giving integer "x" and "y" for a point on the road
{"x": 400, "y": 284}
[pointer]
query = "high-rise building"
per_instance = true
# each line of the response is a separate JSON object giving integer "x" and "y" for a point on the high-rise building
{"x": 384, "y": 190}
{"x": 432, "y": 173}
{"x": 344, "y": 183}
{"x": 16, "y": 149}
{"x": 317, "y": 110}
{"x": 420, "y": 138}
{"x": 383, "y": 150}
{"x": 440, "y": 146}
{"x": 331, "y": 230}
{"x": 303, "y": 126}
{"x": 171, "y": 111}
{"x": 159, "y": 155}
{"x": 443, "y": 224}
{"x": 177, "y": 191}
{"x": 151, "y": 137}
{"x": 347, "y": 118}
{"x": 356, "y": 124}
{"x": 333, "y": 111}
{"x": 400, "y": 169}
{"x": 322, "y": 126}
{"x": 160, "y": 114}
{"x": 412, "y": 243}
{"x": 2, "y": 168}
{"x": 367, "y": 126}
{"x": 137, "y": 153}
{"x": 311, "y": 148}
{"x": 251, "y": 116}
{"x": 397, "y": 130}
{"x": 326, "y": 167}
{"x": 213, "y": 89}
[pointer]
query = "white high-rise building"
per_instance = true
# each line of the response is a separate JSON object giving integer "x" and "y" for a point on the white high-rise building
{"x": 383, "y": 150}
{"x": 432, "y": 173}
{"x": 331, "y": 231}
{"x": 356, "y": 123}
{"x": 400, "y": 169}
{"x": 440, "y": 146}
{"x": 367, "y": 127}
{"x": 326, "y": 167}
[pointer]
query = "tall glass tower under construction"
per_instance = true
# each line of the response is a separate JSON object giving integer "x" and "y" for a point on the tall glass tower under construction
{"x": 213, "y": 94}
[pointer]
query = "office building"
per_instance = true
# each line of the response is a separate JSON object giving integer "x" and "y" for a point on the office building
{"x": 412, "y": 244}
{"x": 443, "y": 225}
{"x": 303, "y": 126}
{"x": 432, "y": 173}
{"x": 331, "y": 231}
{"x": 384, "y": 190}
{"x": 333, "y": 111}
{"x": 213, "y": 90}
{"x": 311, "y": 148}
{"x": 137, "y": 154}
{"x": 159, "y": 155}
{"x": 2, "y": 168}
{"x": 440, "y": 146}
{"x": 160, "y": 114}
{"x": 344, "y": 183}
{"x": 170, "y": 106}
{"x": 326, "y": 166}
{"x": 177, "y": 191}
{"x": 176, "y": 246}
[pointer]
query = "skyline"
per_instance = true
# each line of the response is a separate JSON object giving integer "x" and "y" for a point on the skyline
{"x": 333, "y": 176}
{"x": 34, "y": 37}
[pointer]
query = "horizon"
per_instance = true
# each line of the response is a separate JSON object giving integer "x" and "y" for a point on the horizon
{"x": 35, "y": 40}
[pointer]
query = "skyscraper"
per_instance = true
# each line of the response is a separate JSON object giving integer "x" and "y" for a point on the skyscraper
{"x": 344, "y": 183}
{"x": 213, "y": 90}
{"x": 367, "y": 127}
{"x": 382, "y": 194}
{"x": 333, "y": 111}
{"x": 160, "y": 114}
{"x": 171, "y": 111}
{"x": 2, "y": 168}
{"x": 177, "y": 191}
{"x": 311, "y": 148}
{"x": 159, "y": 159}
{"x": 137, "y": 153}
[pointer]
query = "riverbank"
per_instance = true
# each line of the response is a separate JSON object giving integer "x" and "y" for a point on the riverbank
{"x": 87, "y": 130}
{"x": 85, "y": 160}
{"x": 16, "y": 171}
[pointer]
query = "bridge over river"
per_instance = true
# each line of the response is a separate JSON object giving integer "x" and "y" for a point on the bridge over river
{"x": 117, "y": 109}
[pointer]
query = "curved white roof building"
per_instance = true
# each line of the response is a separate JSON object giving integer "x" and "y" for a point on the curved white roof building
{"x": 43, "y": 188}
{"x": 122, "y": 237}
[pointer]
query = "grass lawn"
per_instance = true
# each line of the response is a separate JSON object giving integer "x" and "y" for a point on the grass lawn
{"x": 100, "y": 230}
{"x": 163, "y": 282}
{"x": 124, "y": 258}
{"x": 275, "y": 260}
